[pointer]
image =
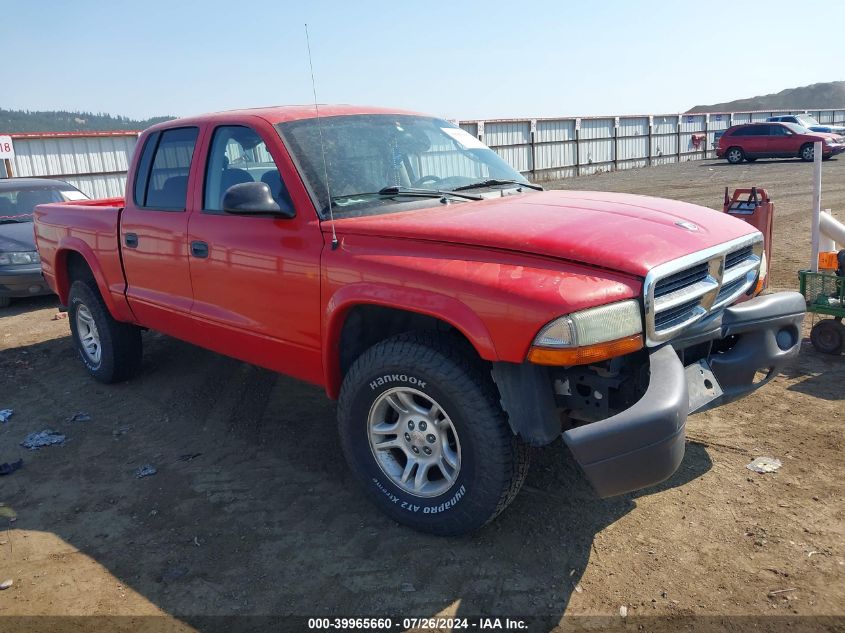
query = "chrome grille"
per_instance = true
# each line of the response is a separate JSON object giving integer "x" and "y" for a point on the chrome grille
{"x": 681, "y": 292}
{"x": 681, "y": 279}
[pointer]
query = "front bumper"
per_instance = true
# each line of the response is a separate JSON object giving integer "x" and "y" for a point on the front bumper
{"x": 644, "y": 444}
{"x": 22, "y": 281}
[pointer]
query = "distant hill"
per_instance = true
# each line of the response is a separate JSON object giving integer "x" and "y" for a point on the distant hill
{"x": 61, "y": 121}
{"x": 824, "y": 95}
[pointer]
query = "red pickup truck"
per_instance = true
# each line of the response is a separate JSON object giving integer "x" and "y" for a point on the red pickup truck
{"x": 458, "y": 313}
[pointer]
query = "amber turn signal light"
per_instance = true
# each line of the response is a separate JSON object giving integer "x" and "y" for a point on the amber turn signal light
{"x": 586, "y": 354}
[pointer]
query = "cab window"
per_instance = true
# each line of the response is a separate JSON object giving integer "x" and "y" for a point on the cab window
{"x": 166, "y": 186}
{"x": 238, "y": 155}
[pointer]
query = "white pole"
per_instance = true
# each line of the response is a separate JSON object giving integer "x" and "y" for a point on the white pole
{"x": 826, "y": 243}
{"x": 817, "y": 202}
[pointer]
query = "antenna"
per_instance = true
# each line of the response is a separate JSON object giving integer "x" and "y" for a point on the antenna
{"x": 322, "y": 146}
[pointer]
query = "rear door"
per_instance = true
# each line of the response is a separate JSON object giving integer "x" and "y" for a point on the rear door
{"x": 153, "y": 231}
{"x": 255, "y": 279}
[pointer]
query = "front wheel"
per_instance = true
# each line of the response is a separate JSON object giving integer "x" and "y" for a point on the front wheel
{"x": 109, "y": 349}
{"x": 424, "y": 434}
{"x": 828, "y": 336}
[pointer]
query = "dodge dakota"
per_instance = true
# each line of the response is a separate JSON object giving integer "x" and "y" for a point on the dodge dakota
{"x": 458, "y": 313}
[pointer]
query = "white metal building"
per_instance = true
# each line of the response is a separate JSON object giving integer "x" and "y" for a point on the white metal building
{"x": 94, "y": 162}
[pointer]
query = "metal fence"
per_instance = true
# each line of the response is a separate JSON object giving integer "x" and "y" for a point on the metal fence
{"x": 543, "y": 149}
{"x": 551, "y": 149}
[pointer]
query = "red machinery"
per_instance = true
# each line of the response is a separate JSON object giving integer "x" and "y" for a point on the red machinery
{"x": 755, "y": 207}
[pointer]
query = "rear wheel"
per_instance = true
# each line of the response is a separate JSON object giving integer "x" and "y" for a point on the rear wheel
{"x": 828, "y": 336}
{"x": 734, "y": 155}
{"x": 425, "y": 436}
{"x": 807, "y": 152}
{"x": 109, "y": 349}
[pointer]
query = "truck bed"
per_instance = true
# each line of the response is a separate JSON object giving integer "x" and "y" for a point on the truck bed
{"x": 90, "y": 228}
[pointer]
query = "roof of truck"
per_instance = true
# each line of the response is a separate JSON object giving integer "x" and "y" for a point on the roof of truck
{"x": 281, "y": 114}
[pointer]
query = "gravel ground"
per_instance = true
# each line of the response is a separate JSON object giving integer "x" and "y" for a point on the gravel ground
{"x": 252, "y": 510}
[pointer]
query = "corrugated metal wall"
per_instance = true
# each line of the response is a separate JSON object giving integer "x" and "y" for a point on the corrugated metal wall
{"x": 544, "y": 149}
{"x": 550, "y": 149}
{"x": 95, "y": 163}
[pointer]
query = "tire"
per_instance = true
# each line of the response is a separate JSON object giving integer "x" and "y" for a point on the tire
{"x": 828, "y": 336}
{"x": 734, "y": 155}
{"x": 109, "y": 349}
{"x": 5, "y": 302}
{"x": 451, "y": 409}
{"x": 806, "y": 152}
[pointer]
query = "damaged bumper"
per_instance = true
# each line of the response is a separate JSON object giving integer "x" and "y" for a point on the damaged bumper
{"x": 644, "y": 444}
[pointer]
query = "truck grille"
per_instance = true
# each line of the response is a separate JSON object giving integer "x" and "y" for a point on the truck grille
{"x": 681, "y": 292}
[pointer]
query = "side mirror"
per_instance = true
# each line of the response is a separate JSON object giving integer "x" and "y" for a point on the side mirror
{"x": 254, "y": 198}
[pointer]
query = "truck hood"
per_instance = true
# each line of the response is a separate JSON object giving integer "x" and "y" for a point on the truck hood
{"x": 621, "y": 232}
{"x": 17, "y": 236}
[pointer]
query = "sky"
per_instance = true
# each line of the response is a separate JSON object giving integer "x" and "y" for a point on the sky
{"x": 456, "y": 59}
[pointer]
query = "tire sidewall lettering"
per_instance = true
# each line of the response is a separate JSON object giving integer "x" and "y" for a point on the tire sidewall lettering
{"x": 382, "y": 486}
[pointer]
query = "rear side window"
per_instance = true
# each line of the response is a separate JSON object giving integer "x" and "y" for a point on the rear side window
{"x": 751, "y": 130}
{"x": 143, "y": 173}
{"x": 166, "y": 185}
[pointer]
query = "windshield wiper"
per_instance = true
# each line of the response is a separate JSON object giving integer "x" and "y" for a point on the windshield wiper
{"x": 396, "y": 190}
{"x": 494, "y": 181}
{"x": 430, "y": 193}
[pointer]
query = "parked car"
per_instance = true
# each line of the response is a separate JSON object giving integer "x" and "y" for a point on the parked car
{"x": 751, "y": 141}
{"x": 805, "y": 120}
{"x": 20, "y": 266}
{"x": 457, "y": 312}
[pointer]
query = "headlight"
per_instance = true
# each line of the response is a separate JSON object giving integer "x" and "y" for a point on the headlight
{"x": 16, "y": 259}
{"x": 590, "y": 335}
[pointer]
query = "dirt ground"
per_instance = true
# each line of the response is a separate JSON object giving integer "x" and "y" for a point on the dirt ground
{"x": 265, "y": 520}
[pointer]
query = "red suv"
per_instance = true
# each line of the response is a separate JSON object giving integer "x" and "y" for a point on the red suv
{"x": 775, "y": 140}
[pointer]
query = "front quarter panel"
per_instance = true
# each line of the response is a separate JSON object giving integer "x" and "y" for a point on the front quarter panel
{"x": 498, "y": 300}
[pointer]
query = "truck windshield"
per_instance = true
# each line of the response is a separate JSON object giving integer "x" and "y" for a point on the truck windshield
{"x": 368, "y": 154}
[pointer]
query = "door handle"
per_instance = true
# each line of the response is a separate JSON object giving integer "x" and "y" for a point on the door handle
{"x": 131, "y": 240}
{"x": 199, "y": 249}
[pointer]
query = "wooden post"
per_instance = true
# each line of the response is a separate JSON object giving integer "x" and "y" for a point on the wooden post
{"x": 577, "y": 148}
{"x": 8, "y": 165}
{"x": 650, "y": 137}
{"x": 616, "y": 143}
{"x": 680, "y": 123}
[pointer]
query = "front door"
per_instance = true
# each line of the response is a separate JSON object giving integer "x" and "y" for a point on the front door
{"x": 153, "y": 230}
{"x": 255, "y": 279}
{"x": 782, "y": 141}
